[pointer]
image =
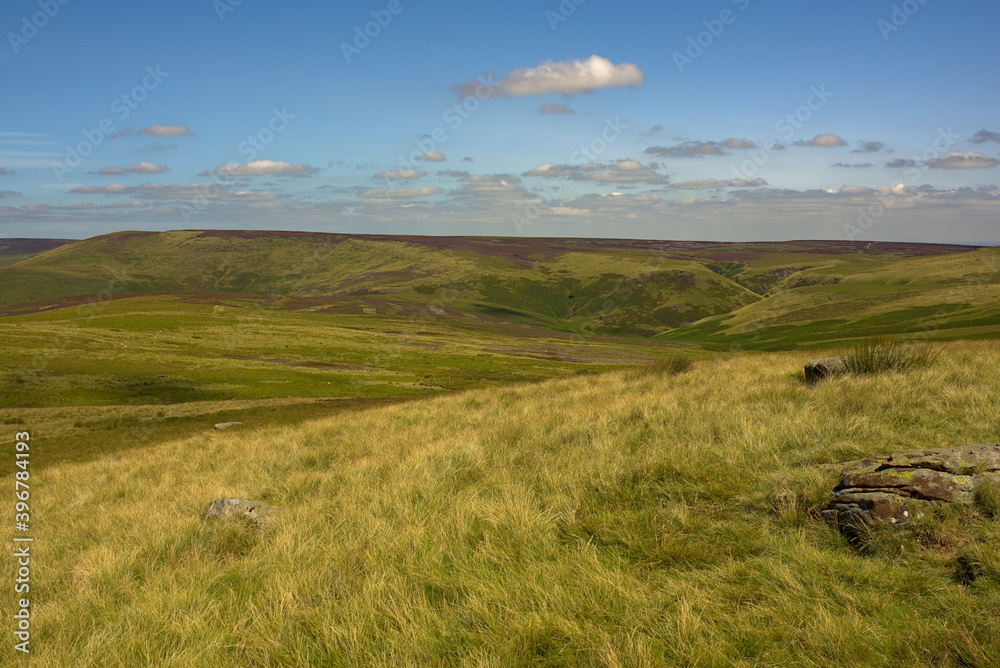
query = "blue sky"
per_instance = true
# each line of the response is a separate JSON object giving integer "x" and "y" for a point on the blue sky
{"x": 723, "y": 120}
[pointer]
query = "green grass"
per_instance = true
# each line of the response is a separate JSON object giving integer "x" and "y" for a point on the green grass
{"x": 605, "y": 520}
{"x": 474, "y": 479}
{"x": 201, "y": 363}
{"x": 629, "y": 288}
{"x": 879, "y": 355}
{"x": 668, "y": 367}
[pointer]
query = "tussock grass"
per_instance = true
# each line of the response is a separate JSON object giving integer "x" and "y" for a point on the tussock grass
{"x": 671, "y": 366}
{"x": 876, "y": 355}
{"x": 607, "y": 520}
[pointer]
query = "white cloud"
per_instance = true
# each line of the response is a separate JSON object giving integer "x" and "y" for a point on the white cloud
{"x": 623, "y": 171}
{"x": 695, "y": 149}
{"x": 963, "y": 160}
{"x": 393, "y": 193}
{"x": 709, "y": 184}
{"x": 399, "y": 174}
{"x": 566, "y": 78}
{"x": 261, "y": 168}
{"x": 166, "y": 131}
{"x": 825, "y": 141}
{"x": 492, "y": 188}
{"x": 147, "y": 168}
{"x": 550, "y": 170}
{"x": 433, "y": 156}
{"x": 568, "y": 211}
{"x": 196, "y": 191}
{"x": 141, "y": 168}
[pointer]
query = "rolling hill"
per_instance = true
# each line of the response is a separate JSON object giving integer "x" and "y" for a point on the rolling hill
{"x": 682, "y": 290}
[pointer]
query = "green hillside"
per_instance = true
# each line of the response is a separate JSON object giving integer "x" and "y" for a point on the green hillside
{"x": 13, "y": 250}
{"x": 924, "y": 298}
{"x": 658, "y": 520}
{"x": 607, "y": 286}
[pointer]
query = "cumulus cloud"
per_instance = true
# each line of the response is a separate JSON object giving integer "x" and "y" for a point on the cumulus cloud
{"x": 196, "y": 191}
{"x": 491, "y": 188}
{"x": 708, "y": 184}
{"x": 141, "y": 168}
{"x": 555, "y": 109}
{"x": 825, "y": 141}
{"x": 696, "y": 149}
{"x": 566, "y": 78}
{"x": 652, "y": 131}
{"x": 262, "y": 168}
{"x": 871, "y": 147}
{"x": 623, "y": 171}
{"x": 466, "y": 159}
{"x": 900, "y": 163}
{"x": 433, "y": 156}
{"x": 166, "y": 131}
{"x": 852, "y": 165}
{"x": 550, "y": 170}
{"x": 6, "y": 193}
{"x": 400, "y": 174}
{"x": 454, "y": 173}
{"x": 963, "y": 160}
{"x": 984, "y": 136}
{"x": 147, "y": 168}
{"x": 7, "y": 172}
{"x": 396, "y": 193}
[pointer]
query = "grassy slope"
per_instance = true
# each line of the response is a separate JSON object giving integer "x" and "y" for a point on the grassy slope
{"x": 948, "y": 296}
{"x": 129, "y": 372}
{"x": 606, "y": 521}
{"x": 610, "y": 286}
{"x": 14, "y": 250}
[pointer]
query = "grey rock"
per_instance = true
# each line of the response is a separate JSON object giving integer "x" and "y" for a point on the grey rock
{"x": 898, "y": 487}
{"x": 228, "y": 425}
{"x": 824, "y": 367}
{"x": 257, "y": 513}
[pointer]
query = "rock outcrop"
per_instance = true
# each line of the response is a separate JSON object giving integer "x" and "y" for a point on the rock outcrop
{"x": 895, "y": 489}
{"x": 257, "y": 513}
{"x": 824, "y": 367}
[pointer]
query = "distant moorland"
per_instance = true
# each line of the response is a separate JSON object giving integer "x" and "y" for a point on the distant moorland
{"x": 492, "y": 451}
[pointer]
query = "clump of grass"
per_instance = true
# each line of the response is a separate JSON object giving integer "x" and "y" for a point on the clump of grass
{"x": 671, "y": 366}
{"x": 987, "y": 499}
{"x": 878, "y": 355}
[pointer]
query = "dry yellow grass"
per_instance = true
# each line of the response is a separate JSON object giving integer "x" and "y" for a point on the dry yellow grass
{"x": 614, "y": 520}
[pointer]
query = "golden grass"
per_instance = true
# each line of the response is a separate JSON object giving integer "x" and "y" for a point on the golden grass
{"x": 608, "y": 520}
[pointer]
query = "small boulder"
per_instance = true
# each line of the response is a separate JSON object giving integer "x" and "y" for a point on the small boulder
{"x": 895, "y": 488}
{"x": 228, "y": 425}
{"x": 256, "y": 513}
{"x": 824, "y": 367}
